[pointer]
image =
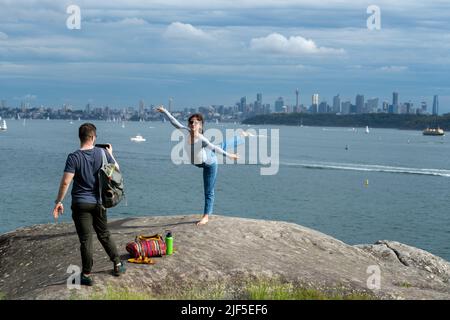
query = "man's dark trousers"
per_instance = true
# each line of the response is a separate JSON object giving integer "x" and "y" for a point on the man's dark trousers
{"x": 86, "y": 216}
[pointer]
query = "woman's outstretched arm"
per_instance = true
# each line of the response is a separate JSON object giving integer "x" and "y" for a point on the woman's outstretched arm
{"x": 172, "y": 119}
{"x": 217, "y": 149}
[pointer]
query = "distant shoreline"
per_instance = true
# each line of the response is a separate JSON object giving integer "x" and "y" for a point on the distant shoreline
{"x": 377, "y": 120}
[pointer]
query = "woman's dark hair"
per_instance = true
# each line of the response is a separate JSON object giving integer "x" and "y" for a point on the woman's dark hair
{"x": 197, "y": 116}
{"x": 86, "y": 131}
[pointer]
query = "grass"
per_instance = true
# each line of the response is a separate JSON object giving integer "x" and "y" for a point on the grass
{"x": 255, "y": 290}
{"x": 112, "y": 293}
{"x": 405, "y": 284}
{"x": 274, "y": 290}
{"x": 2, "y": 296}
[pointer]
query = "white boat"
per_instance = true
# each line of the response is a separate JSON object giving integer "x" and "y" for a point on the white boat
{"x": 367, "y": 129}
{"x": 3, "y": 126}
{"x": 138, "y": 138}
{"x": 433, "y": 132}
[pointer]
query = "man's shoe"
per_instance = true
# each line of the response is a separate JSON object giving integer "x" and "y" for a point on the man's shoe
{"x": 119, "y": 269}
{"x": 86, "y": 280}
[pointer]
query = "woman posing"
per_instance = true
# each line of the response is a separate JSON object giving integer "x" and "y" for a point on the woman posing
{"x": 203, "y": 155}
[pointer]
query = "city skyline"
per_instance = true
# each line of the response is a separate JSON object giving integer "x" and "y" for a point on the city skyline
{"x": 206, "y": 53}
{"x": 335, "y": 105}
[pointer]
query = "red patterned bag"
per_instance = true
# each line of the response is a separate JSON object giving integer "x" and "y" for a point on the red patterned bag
{"x": 147, "y": 246}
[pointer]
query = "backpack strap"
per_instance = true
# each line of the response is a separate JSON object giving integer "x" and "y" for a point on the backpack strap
{"x": 104, "y": 159}
{"x": 104, "y": 162}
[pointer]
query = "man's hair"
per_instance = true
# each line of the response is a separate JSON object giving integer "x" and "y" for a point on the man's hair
{"x": 86, "y": 131}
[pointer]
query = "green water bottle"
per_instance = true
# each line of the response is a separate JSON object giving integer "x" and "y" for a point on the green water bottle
{"x": 169, "y": 243}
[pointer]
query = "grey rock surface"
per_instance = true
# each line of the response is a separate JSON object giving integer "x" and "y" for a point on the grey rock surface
{"x": 34, "y": 260}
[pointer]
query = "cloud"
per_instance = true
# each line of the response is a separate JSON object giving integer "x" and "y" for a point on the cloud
{"x": 26, "y": 97}
{"x": 295, "y": 45}
{"x": 186, "y": 31}
{"x": 3, "y": 36}
{"x": 393, "y": 68}
{"x": 133, "y": 21}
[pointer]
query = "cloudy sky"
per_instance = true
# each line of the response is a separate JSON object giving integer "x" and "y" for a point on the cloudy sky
{"x": 205, "y": 52}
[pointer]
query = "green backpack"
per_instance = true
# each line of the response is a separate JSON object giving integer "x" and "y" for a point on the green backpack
{"x": 110, "y": 183}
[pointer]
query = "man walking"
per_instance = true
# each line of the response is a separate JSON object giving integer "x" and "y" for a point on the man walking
{"x": 82, "y": 167}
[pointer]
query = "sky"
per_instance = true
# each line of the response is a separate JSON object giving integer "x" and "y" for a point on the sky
{"x": 213, "y": 52}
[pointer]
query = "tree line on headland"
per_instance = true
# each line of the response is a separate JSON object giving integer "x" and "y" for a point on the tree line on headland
{"x": 373, "y": 120}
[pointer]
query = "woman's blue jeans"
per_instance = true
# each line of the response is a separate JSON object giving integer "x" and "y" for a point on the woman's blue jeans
{"x": 210, "y": 173}
{"x": 209, "y": 181}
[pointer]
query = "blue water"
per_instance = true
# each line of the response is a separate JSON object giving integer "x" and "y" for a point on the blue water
{"x": 320, "y": 184}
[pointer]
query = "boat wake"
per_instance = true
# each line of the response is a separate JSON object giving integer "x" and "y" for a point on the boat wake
{"x": 368, "y": 167}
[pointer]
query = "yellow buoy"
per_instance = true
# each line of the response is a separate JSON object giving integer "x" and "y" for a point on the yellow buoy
{"x": 366, "y": 182}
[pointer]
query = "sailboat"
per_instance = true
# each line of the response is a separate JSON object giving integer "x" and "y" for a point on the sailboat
{"x": 3, "y": 126}
{"x": 367, "y": 129}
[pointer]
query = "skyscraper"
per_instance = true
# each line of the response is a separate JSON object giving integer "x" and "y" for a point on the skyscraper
{"x": 243, "y": 104}
{"x": 296, "y": 100}
{"x": 315, "y": 99}
{"x": 435, "y": 105}
{"x": 372, "y": 105}
{"x": 394, "y": 102}
{"x": 323, "y": 107}
{"x": 259, "y": 98}
{"x": 336, "y": 104}
{"x": 359, "y": 103}
{"x": 423, "y": 106}
{"x": 279, "y": 103}
{"x": 315, "y": 103}
{"x": 346, "y": 107}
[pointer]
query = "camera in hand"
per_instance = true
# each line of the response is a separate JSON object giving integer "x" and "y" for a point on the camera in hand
{"x": 102, "y": 145}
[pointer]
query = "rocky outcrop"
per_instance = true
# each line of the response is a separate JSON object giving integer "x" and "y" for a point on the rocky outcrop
{"x": 34, "y": 260}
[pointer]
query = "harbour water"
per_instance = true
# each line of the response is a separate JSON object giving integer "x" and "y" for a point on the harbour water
{"x": 357, "y": 187}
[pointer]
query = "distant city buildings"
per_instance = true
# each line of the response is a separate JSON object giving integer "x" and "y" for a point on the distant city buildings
{"x": 238, "y": 112}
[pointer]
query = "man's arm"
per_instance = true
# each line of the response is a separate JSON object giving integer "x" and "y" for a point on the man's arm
{"x": 63, "y": 186}
{"x": 109, "y": 149}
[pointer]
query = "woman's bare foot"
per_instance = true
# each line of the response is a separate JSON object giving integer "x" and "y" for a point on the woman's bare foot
{"x": 203, "y": 221}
